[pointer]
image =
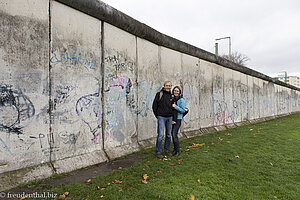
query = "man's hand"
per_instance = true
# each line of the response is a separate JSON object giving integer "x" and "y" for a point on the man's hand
{"x": 174, "y": 105}
{"x": 173, "y": 122}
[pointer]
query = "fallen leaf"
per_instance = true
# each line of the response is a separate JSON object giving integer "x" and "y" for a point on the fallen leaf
{"x": 237, "y": 156}
{"x": 120, "y": 168}
{"x": 196, "y": 145}
{"x": 204, "y": 151}
{"x": 108, "y": 183}
{"x": 159, "y": 196}
{"x": 192, "y": 197}
{"x": 228, "y": 141}
{"x": 166, "y": 159}
{"x": 66, "y": 193}
{"x": 102, "y": 189}
{"x": 251, "y": 129}
{"x": 144, "y": 181}
{"x": 172, "y": 164}
{"x": 62, "y": 196}
{"x": 179, "y": 163}
{"x": 254, "y": 135}
{"x": 158, "y": 172}
{"x": 198, "y": 180}
{"x": 120, "y": 190}
{"x": 220, "y": 139}
{"x": 98, "y": 188}
{"x": 117, "y": 181}
{"x": 148, "y": 162}
{"x": 180, "y": 160}
{"x": 212, "y": 143}
{"x": 94, "y": 177}
{"x": 145, "y": 176}
{"x": 271, "y": 163}
{"x": 102, "y": 196}
{"x": 228, "y": 134}
{"x": 23, "y": 197}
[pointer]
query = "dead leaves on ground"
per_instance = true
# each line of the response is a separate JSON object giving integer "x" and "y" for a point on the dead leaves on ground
{"x": 145, "y": 177}
{"x": 64, "y": 196}
{"x": 196, "y": 145}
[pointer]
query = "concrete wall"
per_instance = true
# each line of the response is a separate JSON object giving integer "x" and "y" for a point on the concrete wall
{"x": 78, "y": 80}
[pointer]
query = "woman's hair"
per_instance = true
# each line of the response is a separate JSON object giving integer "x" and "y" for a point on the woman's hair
{"x": 177, "y": 88}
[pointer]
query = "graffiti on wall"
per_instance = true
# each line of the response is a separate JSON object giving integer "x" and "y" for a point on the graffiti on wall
{"x": 120, "y": 97}
{"x": 73, "y": 58}
{"x": 16, "y": 109}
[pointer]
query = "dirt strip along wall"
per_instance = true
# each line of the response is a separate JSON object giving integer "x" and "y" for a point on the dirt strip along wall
{"x": 78, "y": 79}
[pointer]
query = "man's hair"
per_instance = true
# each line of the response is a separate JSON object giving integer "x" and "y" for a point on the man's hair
{"x": 167, "y": 82}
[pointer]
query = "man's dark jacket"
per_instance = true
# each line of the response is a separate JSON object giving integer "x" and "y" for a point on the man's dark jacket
{"x": 163, "y": 107}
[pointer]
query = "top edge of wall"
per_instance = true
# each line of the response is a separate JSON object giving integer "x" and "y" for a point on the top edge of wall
{"x": 108, "y": 14}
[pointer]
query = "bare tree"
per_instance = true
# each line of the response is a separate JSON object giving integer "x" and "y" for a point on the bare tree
{"x": 237, "y": 58}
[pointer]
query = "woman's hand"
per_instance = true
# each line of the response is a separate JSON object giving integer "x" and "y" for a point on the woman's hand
{"x": 174, "y": 105}
{"x": 173, "y": 122}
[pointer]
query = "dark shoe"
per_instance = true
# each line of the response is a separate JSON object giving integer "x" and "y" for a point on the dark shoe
{"x": 176, "y": 154}
{"x": 159, "y": 156}
{"x": 168, "y": 153}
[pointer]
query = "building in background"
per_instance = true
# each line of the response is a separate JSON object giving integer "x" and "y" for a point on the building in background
{"x": 292, "y": 80}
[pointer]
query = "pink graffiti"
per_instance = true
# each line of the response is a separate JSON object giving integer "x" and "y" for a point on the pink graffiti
{"x": 220, "y": 117}
{"x": 96, "y": 139}
{"x": 119, "y": 81}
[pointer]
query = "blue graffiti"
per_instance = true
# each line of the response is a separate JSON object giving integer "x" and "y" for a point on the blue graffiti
{"x": 73, "y": 59}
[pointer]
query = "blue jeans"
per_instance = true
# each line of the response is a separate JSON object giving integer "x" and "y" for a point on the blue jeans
{"x": 162, "y": 123}
{"x": 175, "y": 129}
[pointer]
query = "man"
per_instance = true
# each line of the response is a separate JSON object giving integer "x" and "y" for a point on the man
{"x": 162, "y": 109}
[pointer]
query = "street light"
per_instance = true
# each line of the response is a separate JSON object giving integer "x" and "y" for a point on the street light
{"x": 216, "y": 47}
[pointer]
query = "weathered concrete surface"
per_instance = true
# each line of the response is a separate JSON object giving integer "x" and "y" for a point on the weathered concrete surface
{"x": 250, "y": 109}
{"x": 171, "y": 66}
{"x": 228, "y": 96}
{"x": 244, "y": 97}
{"x": 23, "y": 85}
{"x": 218, "y": 95}
{"x": 75, "y": 79}
{"x": 191, "y": 92}
{"x": 120, "y": 92}
{"x": 237, "y": 101}
{"x": 149, "y": 83}
{"x": 206, "y": 95}
{"x": 256, "y": 102}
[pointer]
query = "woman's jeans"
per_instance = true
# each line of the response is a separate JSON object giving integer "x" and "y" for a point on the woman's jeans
{"x": 175, "y": 129}
{"x": 162, "y": 123}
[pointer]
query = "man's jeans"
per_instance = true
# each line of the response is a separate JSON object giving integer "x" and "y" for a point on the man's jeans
{"x": 162, "y": 123}
{"x": 175, "y": 129}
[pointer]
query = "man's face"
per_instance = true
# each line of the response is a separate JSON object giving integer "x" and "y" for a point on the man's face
{"x": 168, "y": 86}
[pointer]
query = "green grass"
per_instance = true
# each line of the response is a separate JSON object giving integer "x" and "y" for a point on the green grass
{"x": 268, "y": 167}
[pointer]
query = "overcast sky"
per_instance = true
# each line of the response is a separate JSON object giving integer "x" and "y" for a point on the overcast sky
{"x": 267, "y": 31}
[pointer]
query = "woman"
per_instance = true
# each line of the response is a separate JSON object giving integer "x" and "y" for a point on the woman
{"x": 179, "y": 109}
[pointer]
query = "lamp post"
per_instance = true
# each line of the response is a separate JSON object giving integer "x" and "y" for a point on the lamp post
{"x": 216, "y": 47}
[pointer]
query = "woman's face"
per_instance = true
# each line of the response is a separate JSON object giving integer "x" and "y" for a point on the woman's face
{"x": 176, "y": 92}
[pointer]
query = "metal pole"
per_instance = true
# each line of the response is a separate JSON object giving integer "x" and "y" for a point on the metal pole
{"x": 285, "y": 77}
{"x": 229, "y": 47}
{"x": 216, "y": 49}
